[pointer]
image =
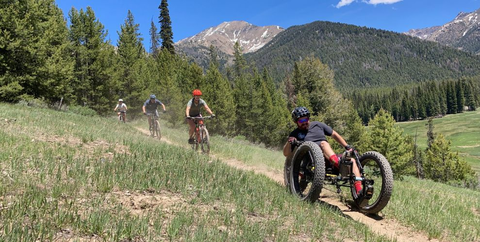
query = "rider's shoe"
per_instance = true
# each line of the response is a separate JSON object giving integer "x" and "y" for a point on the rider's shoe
{"x": 191, "y": 141}
{"x": 366, "y": 193}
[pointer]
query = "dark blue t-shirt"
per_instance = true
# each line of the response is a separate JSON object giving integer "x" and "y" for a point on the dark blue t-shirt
{"x": 151, "y": 107}
{"x": 317, "y": 132}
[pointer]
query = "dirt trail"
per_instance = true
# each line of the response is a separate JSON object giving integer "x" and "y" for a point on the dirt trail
{"x": 383, "y": 226}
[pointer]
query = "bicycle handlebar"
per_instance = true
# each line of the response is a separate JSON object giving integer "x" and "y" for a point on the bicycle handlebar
{"x": 201, "y": 118}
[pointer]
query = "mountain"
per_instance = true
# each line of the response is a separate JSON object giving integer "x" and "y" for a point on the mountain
{"x": 224, "y": 37}
{"x": 462, "y": 33}
{"x": 364, "y": 57}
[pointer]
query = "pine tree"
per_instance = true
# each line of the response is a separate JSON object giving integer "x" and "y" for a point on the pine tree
{"x": 469, "y": 96}
{"x": 239, "y": 61}
{"x": 218, "y": 95}
{"x": 35, "y": 61}
{"x": 443, "y": 165}
{"x": 131, "y": 55}
{"x": 93, "y": 61}
{"x": 166, "y": 33}
{"x": 388, "y": 139}
{"x": 459, "y": 89}
{"x": 277, "y": 115}
{"x": 154, "y": 40}
{"x": 451, "y": 98}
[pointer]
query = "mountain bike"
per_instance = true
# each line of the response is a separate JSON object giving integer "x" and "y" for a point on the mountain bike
{"x": 121, "y": 116}
{"x": 154, "y": 126}
{"x": 306, "y": 172}
{"x": 200, "y": 137}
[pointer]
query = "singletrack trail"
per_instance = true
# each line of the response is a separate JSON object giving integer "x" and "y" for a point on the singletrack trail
{"x": 382, "y": 226}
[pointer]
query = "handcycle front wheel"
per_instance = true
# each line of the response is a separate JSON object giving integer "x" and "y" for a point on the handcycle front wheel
{"x": 307, "y": 172}
{"x": 378, "y": 173}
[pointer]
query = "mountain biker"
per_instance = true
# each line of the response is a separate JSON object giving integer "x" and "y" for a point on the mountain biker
{"x": 316, "y": 132}
{"x": 122, "y": 109}
{"x": 150, "y": 107}
{"x": 194, "y": 110}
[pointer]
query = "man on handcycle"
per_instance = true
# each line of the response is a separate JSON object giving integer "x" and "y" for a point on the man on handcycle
{"x": 150, "y": 107}
{"x": 315, "y": 131}
{"x": 194, "y": 110}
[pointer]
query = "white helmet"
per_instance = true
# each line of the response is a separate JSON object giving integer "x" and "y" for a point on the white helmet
{"x": 120, "y": 100}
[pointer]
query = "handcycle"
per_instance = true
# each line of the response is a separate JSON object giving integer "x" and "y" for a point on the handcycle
{"x": 201, "y": 138}
{"x": 154, "y": 126}
{"x": 306, "y": 171}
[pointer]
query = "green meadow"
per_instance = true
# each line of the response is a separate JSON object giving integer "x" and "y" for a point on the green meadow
{"x": 68, "y": 177}
{"x": 463, "y": 130}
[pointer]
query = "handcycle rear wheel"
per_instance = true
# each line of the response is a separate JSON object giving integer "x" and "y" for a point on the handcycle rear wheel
{"x": 307, "y": 172}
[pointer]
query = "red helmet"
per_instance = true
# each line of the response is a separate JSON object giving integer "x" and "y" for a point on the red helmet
{"x": 197, "y": 92}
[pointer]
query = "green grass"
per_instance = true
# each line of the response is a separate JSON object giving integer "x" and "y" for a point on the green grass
{"x": 461, "y": 129}
{"x": 70, "y": 177}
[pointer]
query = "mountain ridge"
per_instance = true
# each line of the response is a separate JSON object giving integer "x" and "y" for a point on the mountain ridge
{"x": 463, "y": 32}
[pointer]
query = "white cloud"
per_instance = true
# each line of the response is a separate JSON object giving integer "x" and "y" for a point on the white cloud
{"x": 373, "y": 2}
{"x": 344, "y": 3}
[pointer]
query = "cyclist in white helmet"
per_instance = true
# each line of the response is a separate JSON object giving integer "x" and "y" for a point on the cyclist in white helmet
{"x": 121, "y": 109}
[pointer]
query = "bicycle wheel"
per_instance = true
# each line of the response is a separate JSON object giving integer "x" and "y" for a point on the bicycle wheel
{"x": 205, "y": 140}
{"x": 195, "y": 141}
{"x": 307, "y": 172}
{"x": 378, "y": 174}
{"x": 157, "y": 130}
{"x": 151, "y": 128}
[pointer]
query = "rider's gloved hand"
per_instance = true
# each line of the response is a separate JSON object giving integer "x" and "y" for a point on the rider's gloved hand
{"x": 144, "y": 113}
{"x": 292, "y": 140}
{"x": 213, "y": 115}
{"x": 349, "y": 148}
{"x": 164, "y": 111}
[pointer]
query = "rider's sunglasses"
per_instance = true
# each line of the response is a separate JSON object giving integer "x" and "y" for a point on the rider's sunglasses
{"x": 303, "y": 120}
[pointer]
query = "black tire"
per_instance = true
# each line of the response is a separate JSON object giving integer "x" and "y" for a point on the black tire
{"x": 151, "y": 128}
{"x": 195, "y": 141}
{"x": 286, "y": 172}
{"x": 157, "y": 130}
{"x": 376, "y": 168}
{"x": 307, "y": 159}
{"x": 205, "y": 140}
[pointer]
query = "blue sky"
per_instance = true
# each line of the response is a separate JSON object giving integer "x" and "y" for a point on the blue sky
{"x": 190, "y": 17}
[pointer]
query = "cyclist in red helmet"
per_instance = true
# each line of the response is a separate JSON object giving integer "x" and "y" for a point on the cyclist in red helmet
{"x": 194, "y": 110}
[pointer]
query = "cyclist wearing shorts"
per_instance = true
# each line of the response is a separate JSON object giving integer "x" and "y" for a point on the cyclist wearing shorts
{"x": 150, "y": 107}
{"x": 194, "y": 107}
{"x": 316, "y": 132}
{"x": 121, "y": 109}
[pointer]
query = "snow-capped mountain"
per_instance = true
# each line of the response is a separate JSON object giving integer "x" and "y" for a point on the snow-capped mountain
{"x": 224, "y": 37}
{"x": 463, "y": 32}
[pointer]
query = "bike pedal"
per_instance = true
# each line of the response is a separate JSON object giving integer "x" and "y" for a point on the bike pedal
{"x": 369, "y": 192}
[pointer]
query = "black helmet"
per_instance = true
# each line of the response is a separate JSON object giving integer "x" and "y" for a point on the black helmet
{"x": 299, "y": 112}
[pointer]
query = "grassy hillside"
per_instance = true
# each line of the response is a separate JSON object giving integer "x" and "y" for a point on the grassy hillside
{"x": 71, "y": 177}
{"x": 461, "y": 129}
